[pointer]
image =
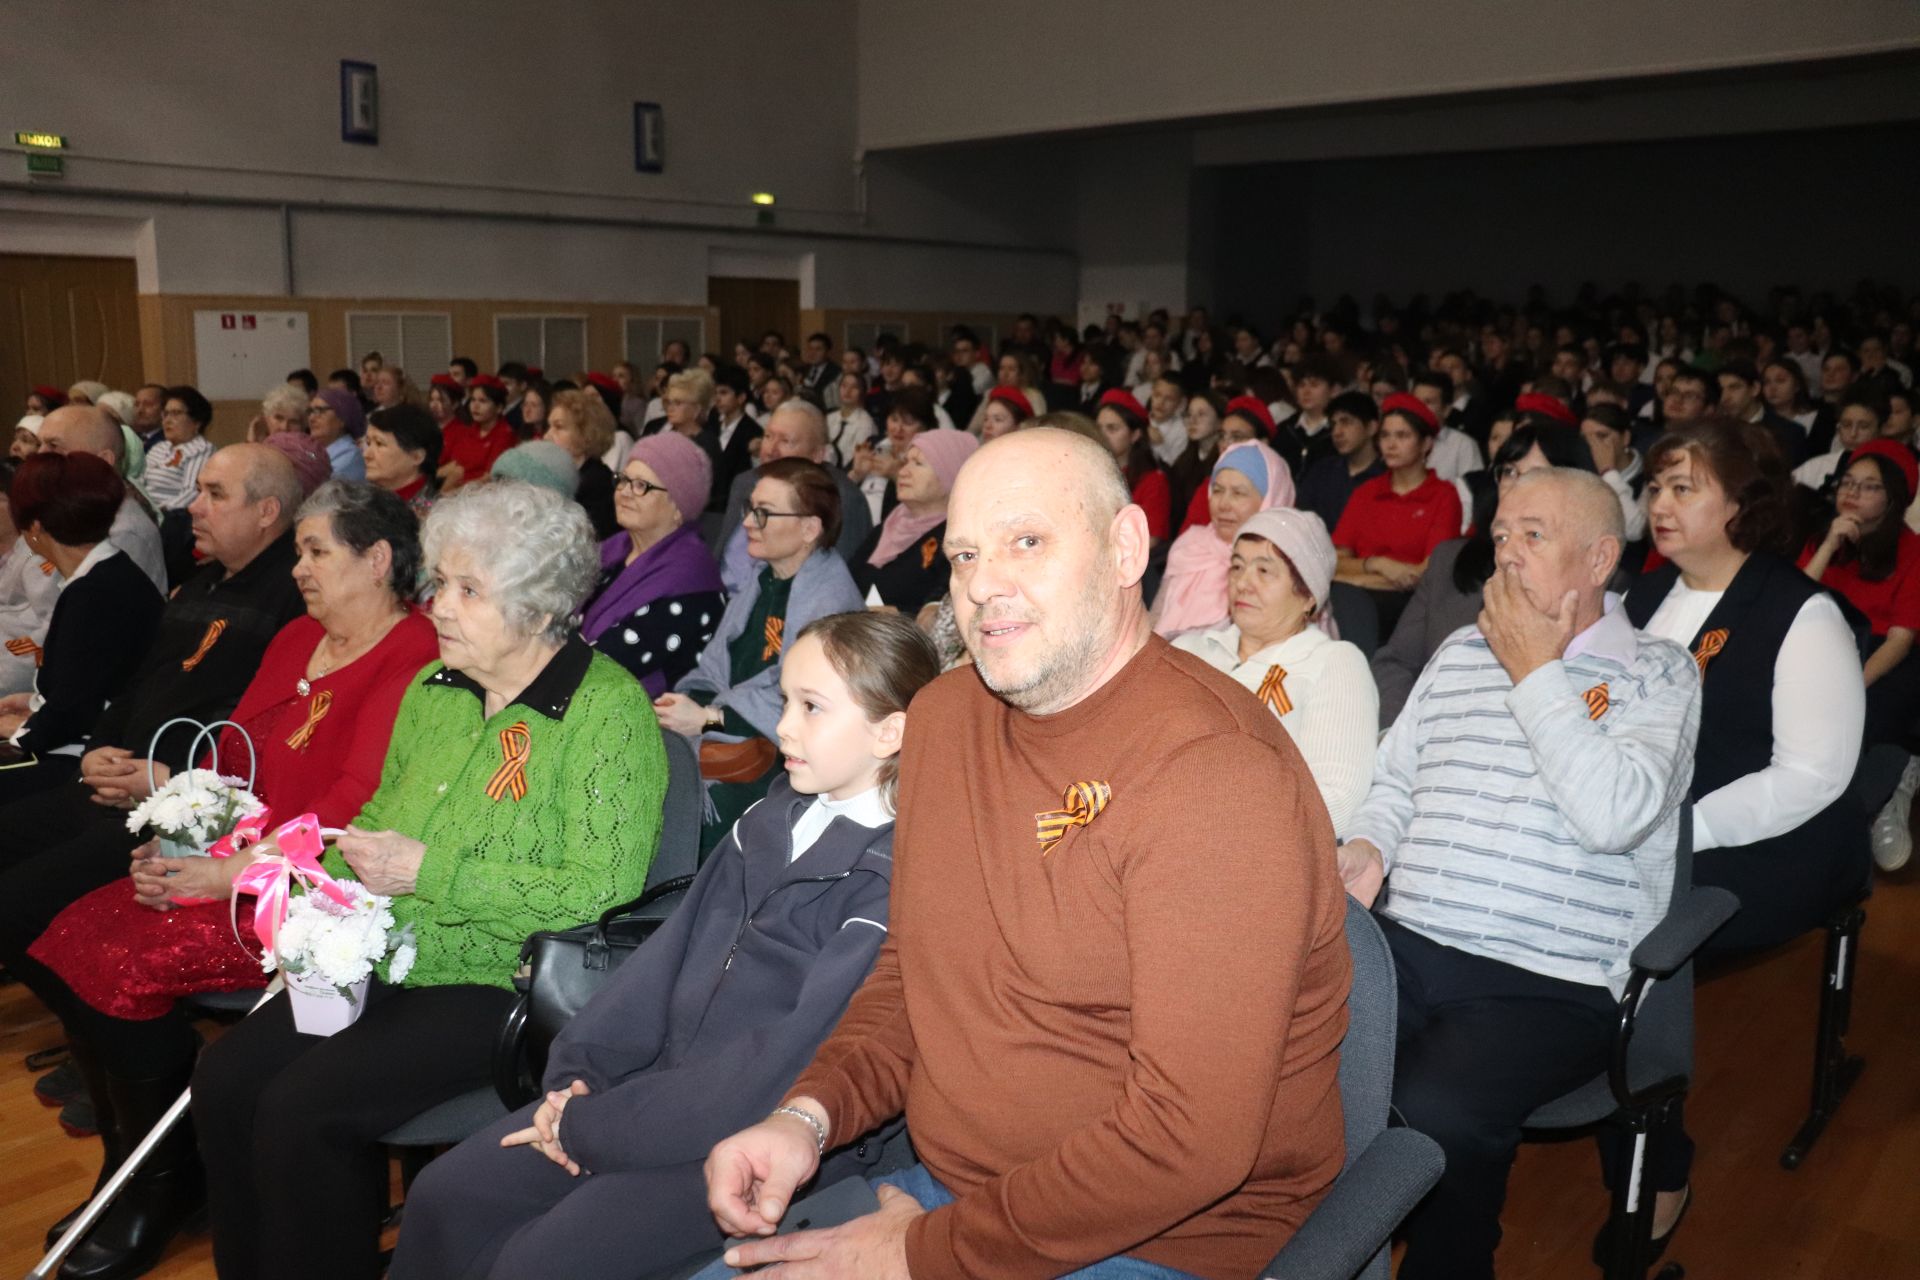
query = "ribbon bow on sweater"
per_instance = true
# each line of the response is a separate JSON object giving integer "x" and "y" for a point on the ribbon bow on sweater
{"x": 295, "y": 855}
{"x": 1083, "y": 801}
{"x": 1273, "y": 690}
{"x": 1710, "y": 644}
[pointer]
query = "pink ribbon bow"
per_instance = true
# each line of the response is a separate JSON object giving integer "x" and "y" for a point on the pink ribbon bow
{"x": 270, "y": 879}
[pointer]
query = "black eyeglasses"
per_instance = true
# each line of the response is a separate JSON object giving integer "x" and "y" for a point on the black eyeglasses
{"x": 636, "y": 486}
{"x": 758, "y": 516}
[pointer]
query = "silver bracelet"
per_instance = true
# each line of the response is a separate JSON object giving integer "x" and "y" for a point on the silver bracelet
{"x": 813, "y": 1122}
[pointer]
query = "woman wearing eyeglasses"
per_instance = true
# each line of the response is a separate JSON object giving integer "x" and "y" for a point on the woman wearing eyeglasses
{"x": 336, "y": 421}
{"x": 733, "y": 693}
{"x": 659, "y": 597}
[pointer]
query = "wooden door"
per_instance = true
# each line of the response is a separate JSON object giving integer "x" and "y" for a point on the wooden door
{"x": 750, "y": 305}
{"x": 64, "y": 320}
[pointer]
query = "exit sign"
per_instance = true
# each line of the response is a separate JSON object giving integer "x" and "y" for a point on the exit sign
{"x": 45, "y": 141}
{"x": 45, "y": 166}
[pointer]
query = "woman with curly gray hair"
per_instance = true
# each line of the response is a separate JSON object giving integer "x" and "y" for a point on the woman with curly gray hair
{"x": 522, "y": 791}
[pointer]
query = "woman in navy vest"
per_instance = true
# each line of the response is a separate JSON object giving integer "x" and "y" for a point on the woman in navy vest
{"x": 1783, "y": 704}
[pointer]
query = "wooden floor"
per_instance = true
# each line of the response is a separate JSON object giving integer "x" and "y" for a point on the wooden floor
{"x": 1852, "y": 1212}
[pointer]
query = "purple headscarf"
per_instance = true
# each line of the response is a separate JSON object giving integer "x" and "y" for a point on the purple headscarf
{"x": 677, "y": 565}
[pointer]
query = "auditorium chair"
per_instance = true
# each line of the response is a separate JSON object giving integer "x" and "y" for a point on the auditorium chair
{"x": 1638, "y": 1096}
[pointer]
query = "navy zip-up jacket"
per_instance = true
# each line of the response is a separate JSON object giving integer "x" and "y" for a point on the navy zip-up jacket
{"x": 700, "y": 1033}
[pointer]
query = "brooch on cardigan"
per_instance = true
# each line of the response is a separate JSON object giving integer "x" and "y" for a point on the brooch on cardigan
{"x": 516, "y": 748}
{"x": 1083, "y": 801}
{"x": 207, "y": 641}
{"x": 1273, "y": 690}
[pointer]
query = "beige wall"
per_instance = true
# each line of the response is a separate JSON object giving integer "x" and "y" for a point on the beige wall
{"x": 169, "y": 355}
{"x": 996, "y": 68}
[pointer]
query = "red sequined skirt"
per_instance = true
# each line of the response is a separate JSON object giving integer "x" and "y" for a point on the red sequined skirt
{"x": 130, "y": 961}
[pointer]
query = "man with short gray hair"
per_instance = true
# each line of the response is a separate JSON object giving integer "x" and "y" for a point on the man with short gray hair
{"x": 1525, "y": 813}
{"x": 85, "y": 428}
{"x": 796, "y": 430}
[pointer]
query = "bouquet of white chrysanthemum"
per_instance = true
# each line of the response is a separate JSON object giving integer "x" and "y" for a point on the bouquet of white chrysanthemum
{"x": 328, "y": 951}
{"x": 195, "y": 808}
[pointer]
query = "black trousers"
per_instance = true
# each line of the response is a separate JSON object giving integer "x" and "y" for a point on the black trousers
{"x": 55, "y": 847}
{"x": 1481, "y": 1044}
{"x": 290, "y": 1124}
{"x": 509, "y": 1213}
{"x": 44, "y": 774}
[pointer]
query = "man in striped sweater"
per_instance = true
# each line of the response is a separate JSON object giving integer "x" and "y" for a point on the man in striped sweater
{"x": 1524, "y": 814}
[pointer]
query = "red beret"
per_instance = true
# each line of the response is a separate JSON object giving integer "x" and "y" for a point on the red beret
{"x": 1547, "y": 406}
{"x": 1250, "y": 408}
{"x": 1014, "y": 400}
{"x": 488, "y": 381}
{"x": 1124, "y": 401}
{"x": 1413, "y": 407}
{"x": 446, "y": 380}
{"x": 1896, "y": 453}
{"x": 604, "y": 382}
{"x": 54, "y": 396}
{"x": 535, "y": 371}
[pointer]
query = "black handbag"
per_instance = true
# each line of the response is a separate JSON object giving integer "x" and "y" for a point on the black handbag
{"x": 560, "y": 970}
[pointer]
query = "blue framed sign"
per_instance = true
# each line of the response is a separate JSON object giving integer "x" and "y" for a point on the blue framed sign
{"x": 359, "y": 103}
{"x": 649, "y": 138}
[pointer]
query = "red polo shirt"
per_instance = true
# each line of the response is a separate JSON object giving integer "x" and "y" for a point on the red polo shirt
{"x": 462, "y": 442}
{"x": 1400, "y": 526}
{"x": 1894, "y": 601}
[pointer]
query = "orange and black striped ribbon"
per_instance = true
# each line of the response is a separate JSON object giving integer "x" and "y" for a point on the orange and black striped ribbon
{"x": 1273, "y": 690}
{"x": 24, "y": 647}
{"x": 1711, "y": 643}
{"x": 516, "y": 748}
{"x": 316, "y": 712}
{"x": 179, "y": 456}
{"x": 1083, "y": 801}
{"x": 775, "y": 627}
{"x": 214, "y": 629}
{"x": 928, "y": 550}
{"x": 46, "y": 568}
{"x": 1597, "y": 700}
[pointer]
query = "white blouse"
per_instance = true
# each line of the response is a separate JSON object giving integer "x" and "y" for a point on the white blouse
{"x": 1819, "y": 713}
{"x": 1335, "y": 719}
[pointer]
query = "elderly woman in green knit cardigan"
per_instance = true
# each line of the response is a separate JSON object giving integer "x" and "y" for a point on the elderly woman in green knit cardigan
{"x": 522, "y": 791}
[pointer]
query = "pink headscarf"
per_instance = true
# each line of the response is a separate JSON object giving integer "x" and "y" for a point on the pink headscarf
{"x": 1194, "y": 593}
{"x": 945, "y": 451}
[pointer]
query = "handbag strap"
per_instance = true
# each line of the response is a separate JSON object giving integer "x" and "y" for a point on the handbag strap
{"x": 651, "y": 896}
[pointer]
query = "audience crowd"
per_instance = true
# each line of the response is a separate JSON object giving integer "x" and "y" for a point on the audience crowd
{"x": 1510, "y": 587}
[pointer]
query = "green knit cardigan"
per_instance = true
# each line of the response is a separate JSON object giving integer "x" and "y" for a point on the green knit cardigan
{"x": 495, "y": 871}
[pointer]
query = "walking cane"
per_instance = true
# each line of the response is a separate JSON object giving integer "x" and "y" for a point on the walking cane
{"x": 103, "y": 1199}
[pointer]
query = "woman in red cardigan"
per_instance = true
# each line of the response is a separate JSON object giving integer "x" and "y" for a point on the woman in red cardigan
{"x": 319, "y": 712}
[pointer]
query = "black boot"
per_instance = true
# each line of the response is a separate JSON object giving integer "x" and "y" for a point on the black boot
{"x": 165, "y": 1195}
{"x": 94, "y": 1082}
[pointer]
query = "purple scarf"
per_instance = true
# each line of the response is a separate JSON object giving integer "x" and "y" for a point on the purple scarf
{"x": 677, "y": 565}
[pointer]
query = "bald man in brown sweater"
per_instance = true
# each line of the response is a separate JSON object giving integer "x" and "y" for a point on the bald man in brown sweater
{"x": 1112, "y": 1003}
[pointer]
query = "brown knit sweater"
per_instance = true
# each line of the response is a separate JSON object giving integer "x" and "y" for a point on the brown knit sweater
{"x": 1129, "y": 1045}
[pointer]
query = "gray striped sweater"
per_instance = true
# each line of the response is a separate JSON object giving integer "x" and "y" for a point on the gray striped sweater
{"x": 1517, "y": 824}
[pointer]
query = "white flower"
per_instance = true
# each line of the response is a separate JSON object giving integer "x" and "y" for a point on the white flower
{"x": 403, "y": 958}
{"x": 337, "y": 957}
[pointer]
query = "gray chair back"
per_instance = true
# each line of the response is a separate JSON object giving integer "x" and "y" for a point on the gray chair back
{"x": 679, "y": 851}
{"x": 1366, "y": 1052}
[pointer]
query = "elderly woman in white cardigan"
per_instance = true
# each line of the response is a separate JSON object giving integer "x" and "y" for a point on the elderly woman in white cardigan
{"x": 1321, "y": 688}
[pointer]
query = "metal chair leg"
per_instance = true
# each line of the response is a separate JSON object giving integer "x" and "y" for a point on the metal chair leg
{"x": 1834, "y": 1069}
